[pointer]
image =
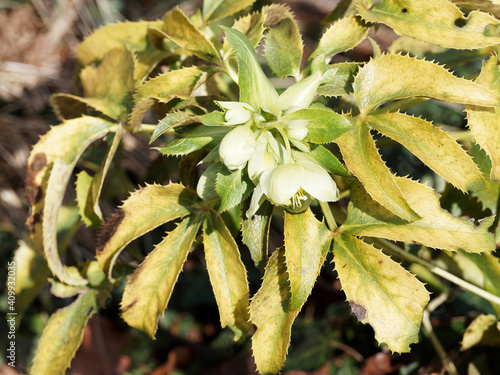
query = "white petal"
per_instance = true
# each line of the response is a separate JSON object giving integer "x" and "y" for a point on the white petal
{"x": 256, "y": 201}
{"x": 237, "y": 147}
{"x": 318, "y": 182}
{"x": 296, "y": 129}
{"x": 234, "y": 105}
{"x": 281, "y": 183}
{"x": 261, "y": 158}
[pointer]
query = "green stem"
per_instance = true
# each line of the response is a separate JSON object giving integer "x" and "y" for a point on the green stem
{"x": 327, "y": 212}
{"x": 396, "y": 250}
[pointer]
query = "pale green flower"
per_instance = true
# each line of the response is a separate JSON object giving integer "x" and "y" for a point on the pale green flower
{"x": 237, "y": 112}
{"x": 237, "y": 147}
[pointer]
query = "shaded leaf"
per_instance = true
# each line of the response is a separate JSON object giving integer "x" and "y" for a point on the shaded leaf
{"x": 145, "y": 209}
{"x": 489, "y": 196}
{"x": 386, "y": 78}
{"x": 436, "y": 228}
{"x": 434, "y": 147}
{"x": 438, "y": 22}
{"x": 381, "y": 292}
{"x": 172, "y": 120}
{"x": 193, "y": 139}
{"x": 227, "y": 275}
{"x": 363, "y": 160}
{"x": 341, "y": 82}
{"x": 148, "y": 291}
{"x": 255, "y": 233}
{"x": 232, "y": 187}
{"x": 214, "y": 10}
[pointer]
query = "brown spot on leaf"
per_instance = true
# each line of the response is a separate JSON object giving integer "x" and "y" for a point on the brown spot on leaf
{"x": 380, "y": 261}
{"x": 109, "y": 229}
{"x": 125, "y": 308}
{"x": 358, "y": 310}
{"x": 33, "y": 191}
{"x": 32, "y": 221}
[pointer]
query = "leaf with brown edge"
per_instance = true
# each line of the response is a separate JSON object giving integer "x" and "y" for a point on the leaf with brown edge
{"x": 145, "y": 209}
{"x": 381, "y": 292}
{"x": 148, "y": 291}
{"x": 227, "y": 274}
{"x": 434, "y": 21}
{"x": 386, "y": 78}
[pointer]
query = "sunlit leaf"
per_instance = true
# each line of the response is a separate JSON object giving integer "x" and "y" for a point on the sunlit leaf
{"x": 387, "y": 78}
{"x": 145, "y": 209}
{"x": 227, "y": 275}
{"x": 323, "y": 157}
{"x": 434, "y": 147}
{"x": 434, "y": 21}
{"x": 214, "y": 10}
{"x": 381, "y": 292}
{"x": 271, "y": 313}
{"x": 436, "y": 228}
{"x": 484, "y": 330}
{"x": 363, "y": 160}
{"x": 148, "y": 291}
{"x": 232, "y": 187}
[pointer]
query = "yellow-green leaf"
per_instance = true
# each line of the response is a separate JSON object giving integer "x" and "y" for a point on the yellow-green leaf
{"x": 270, "y": 312}
{"x": 255, "y": 233}
{"x": 434, "y": 21}
{"x": 63, "y": 335}
{"x": 227, "y": 274}
{"x": 436, "y": 148}
{"x": 145, "y": 209}
{"x": 214, "y": 10}
{"x": 381, "y": 292}
{"x": 484, "y": 123}
{"x": 436, "y": 228}
{"x": 363, "y": 160}
{"x": 180, "y": 29}
{"x": 148, "y": 291}
{"x": 343, "y": 35}
{"x": 232, "y": 187}
{"x": 303, "y": 253}
{"x": 391, "y": 77}
{"x": 484, "y": 330}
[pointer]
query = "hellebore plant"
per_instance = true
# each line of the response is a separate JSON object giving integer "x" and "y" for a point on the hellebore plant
{"x": 269, "y": 154}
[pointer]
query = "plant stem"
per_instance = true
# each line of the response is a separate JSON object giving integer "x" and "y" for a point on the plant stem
{"x": 327, "y": 212}
{"x": 396, "y": 250}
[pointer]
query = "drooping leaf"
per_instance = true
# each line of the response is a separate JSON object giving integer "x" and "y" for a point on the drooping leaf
{"x": 181, "y": 30}
{"x": 172, "y": 120}
{"x": 323, "y": 157}
{"x": 271, "y": 313}
{"x": 341, "y": 82}
{"x": 343, "y": 35}
{"x": 255, "y": 87}
{"x": 363, "y": 160}
{"x": 193, "y": 139}
{"x": 387, "y": 78}
{"x": 303, "y": 253}
{"x": 436, "y": 228}
{"x": 232, "y": 187}
{"x": 133, "y": 35}
{"x": 381, "y": 292}
{"x": 255, "y": 233}
{"x": 179, "y": 83}
{"x": 63, "y": 335}
{"x": 438, "y": 22}
{"x": 148, "y": 291}
{"x": 283, "y": 49}
{"x": 323, "y": 126}
{"x": 434, "y": 147}
{"x": 484, "y": 330}
{"x": 227, "y": 275}
{"x": 64, "y": 143}
{"x": 484, "y": 123}
{"x": 214, "y": 10}
{"x": 145, "y": 209}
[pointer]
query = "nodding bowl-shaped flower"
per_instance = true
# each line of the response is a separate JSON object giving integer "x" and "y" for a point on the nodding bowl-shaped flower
{"x": 237, "y": 147}
{"x": 293, "y": 184}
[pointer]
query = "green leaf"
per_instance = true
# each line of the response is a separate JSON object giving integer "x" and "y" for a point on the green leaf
{"x": 255, "y": 233}
{"x": 180, "y": 30}
{"x": 255, "y": 87}
{"x": 63, "y": 334}
{"x": 179, "y": 83}
{"x": 145, "y": 209}
{"x": 133, "y": 35}
{"x": 484, "y": 330}
{"x": 438, "y": 22}
{"x": 343, "y": 35}
{"x": 215, "y": 118}
{"x": 193, "y": 139}
{"x": 323, "y": 157}
{"x": 232, "y": 187}
{"x": 148, "y": 291}
{"x": 434, "y": 147}
{"x": 172, "y": 120}
{"x": 214, "y": 10}
{"x": 363, "y": 160}
{"x": 489, "y": 196}
{"x": 386, "y": 78}
{"x": 484, "y": 123}
{"x": 339, "y": 83}
{"x": 303, "y": 253}
{"x": 380, "y": 292}
{"x": 323, "y": 127}
{"x": 436, "y": 228}
{"x": 283, "y": 48}
{"x": 270, "y": 312}
{"x": 227, "y": 275}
